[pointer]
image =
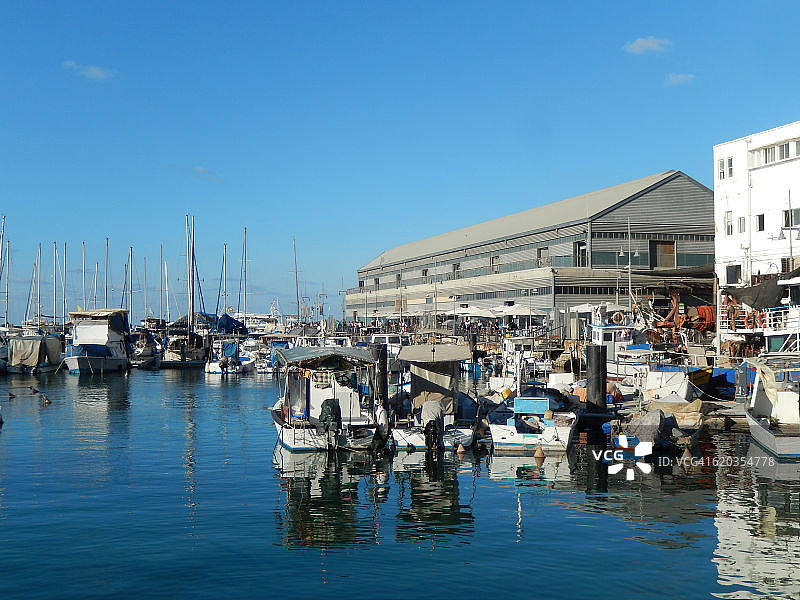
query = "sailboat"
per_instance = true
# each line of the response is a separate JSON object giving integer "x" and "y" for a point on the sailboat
{"x": 187, "y": 352}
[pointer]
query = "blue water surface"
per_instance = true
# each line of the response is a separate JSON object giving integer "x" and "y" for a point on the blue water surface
{"x": 169, "y": 485}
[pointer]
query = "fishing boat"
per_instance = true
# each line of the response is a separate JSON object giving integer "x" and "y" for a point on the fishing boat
{"x": 536, "y": 418}
{"x": 99, "y": 341}
{"x": 320, "y": 407}
{"x": 773, "y": 408}
{"x": 434, "y": 385}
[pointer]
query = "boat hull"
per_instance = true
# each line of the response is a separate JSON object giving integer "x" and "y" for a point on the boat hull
{"x": 95, "y": 364}
{"x": 506, "y": 439}
{"x": 307, "y": 438}
{"x": 413, "y": 438}
{"x": 782, "y": 446}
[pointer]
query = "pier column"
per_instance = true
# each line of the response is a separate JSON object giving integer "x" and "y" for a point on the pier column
{"x": 596, "y": 375}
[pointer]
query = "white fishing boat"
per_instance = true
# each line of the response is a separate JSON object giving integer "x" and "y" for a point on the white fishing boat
{"x": 773, "y": 409}
{"x": 320, "y": 407}
{"x": 434, "y": 387}
{"x": 99, "y": 341}
{"x": 529, "y": 421}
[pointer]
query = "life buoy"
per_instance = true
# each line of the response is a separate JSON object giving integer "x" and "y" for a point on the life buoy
{"x": 618, "y": 318}
{"x": 761, "y": 319}
{"x": 749, "y": 321}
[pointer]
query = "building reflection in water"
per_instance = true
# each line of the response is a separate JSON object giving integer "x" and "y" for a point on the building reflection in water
{"x": 758, "y": 524}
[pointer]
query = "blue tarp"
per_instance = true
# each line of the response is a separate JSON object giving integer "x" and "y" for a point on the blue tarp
{"x": 227, "y": 324}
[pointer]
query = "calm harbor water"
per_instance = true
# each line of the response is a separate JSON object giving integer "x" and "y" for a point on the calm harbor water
{"x": 169, "y": 484}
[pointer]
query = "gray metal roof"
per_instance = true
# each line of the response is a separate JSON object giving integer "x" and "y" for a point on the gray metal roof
{"x": 539, "y": 218}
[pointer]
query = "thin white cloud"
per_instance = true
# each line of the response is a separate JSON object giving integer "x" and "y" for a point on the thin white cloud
{"x": 648, "y": 44}
{"x": 679, "y": 78}
{"x": 89, "y": 71}
{"x": 207, "y": 174}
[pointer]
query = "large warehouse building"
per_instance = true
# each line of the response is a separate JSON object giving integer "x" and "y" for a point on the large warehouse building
{"x": 653, "y": 231}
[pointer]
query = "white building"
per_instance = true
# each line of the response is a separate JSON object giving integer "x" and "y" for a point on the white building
{"x": 757, "y": 205}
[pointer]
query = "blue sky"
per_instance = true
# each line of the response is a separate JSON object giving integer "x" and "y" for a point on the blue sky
{"x": 354, "y": 126}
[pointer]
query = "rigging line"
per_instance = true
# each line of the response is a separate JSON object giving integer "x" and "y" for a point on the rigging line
{"x": 199, "y": 287}
{"x": 219, "y": 293}
{"x": 124, "y": 286}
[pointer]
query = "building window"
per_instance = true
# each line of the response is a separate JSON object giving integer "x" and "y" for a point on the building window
{"x": 494, "y": 263}
{"x": 759, "y": 222}
{"x": 730, "y": 166}
{"x": 361, "y": 283}
{"x": 791, "y": 218}
{"x": 662, "y": 255}
{"x": 768, "y": 154}
{"x": 741, "y": 224}
{"x": 543, "y": 256}
{"x": 377, "y": 282}
{"x": 728, "y": 223}
{"x": 424, "y": 272}
{"x": 783, "y": 151}
{"x": 722, "y": 168}
{"x": 456, "y": 270}
{"x": 579, "y": 254}
{"x": 733, "y": 274}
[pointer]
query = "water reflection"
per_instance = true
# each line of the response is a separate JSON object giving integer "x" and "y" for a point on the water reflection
{"x": 321, "y": 498}
{"x": 326, "y": 493}
{"x": 432, "y": 507}
{"x": 758, "y": 525}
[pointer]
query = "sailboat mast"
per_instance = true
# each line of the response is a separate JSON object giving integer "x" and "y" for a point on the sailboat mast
{"x": 96, "y": 269}
{"x": 2, "y": 243}
{"x": 188, "y": 280}
{"x": 83, "y": 272}
{"x": 55, "y": 295}
{"x": 130, "y": 284}
{"x": 296, "y": 286}
{"x": 8, "y": 274}
{"x": 191, "y": 273}
{"x": 64, "y": 292}
{"x": 225, "y": 277}
{"x": 161, "y": 281}
{"x": 38, "y": 285}
{"x": 105, "y": 273}
{"x": 244, "y": 269}
{"x": 166, "y": 285}
{"x": 144, "y": 278}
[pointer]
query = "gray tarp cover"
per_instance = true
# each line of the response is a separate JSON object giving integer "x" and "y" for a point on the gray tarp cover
{"x": 28, "y": 351}
{"x": 24, "y": 351}
{"x": 432, "y": 410}
{"x": 764, "y": 295}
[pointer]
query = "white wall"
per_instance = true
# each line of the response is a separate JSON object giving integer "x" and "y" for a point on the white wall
{"x": 756, "y": 189}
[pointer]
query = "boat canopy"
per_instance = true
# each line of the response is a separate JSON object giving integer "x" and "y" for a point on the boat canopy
{"x": 434, "y": 353}
{"x": 314, "y": 356}
{"x": 117, "y": 318}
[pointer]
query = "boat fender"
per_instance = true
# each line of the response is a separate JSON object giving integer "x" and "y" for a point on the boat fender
{"x": 618, "y": 318}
